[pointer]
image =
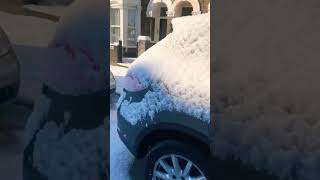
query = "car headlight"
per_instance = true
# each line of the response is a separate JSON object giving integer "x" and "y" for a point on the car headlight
{"x": 133, "y": 84}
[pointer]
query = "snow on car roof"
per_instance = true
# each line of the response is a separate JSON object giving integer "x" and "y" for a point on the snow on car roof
{"x": 178, "y": 70}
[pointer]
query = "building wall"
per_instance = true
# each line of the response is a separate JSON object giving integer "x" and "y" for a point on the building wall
{"x": 204, "y": 5}
{"x": 148, "y": 26}
{"x": 124, "y": 6}
{"x": 147, "y": 22}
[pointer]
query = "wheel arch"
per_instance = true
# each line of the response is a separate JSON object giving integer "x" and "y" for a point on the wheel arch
{"x": 171, "y": 132}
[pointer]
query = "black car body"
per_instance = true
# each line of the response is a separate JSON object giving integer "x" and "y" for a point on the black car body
{"x": 165, "y": 125}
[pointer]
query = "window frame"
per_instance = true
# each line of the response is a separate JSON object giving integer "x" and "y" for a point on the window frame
{"x": 113, "y": 26}
{"x": 132, "y": 27}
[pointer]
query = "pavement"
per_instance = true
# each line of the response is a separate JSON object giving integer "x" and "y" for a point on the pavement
{"x": 123, "y": 165}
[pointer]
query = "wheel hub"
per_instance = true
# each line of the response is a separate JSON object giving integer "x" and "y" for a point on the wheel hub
{"x": 176, "y": 167}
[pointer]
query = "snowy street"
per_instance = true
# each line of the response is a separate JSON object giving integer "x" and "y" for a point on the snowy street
{"x": 122, "y": 163}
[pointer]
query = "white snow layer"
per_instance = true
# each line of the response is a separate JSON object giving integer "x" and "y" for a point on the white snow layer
{"x": 77, "y": 155}
{"x": 121, "y": 159}
{"x": 119, "y": 73}
{"x": 178, "y": 70}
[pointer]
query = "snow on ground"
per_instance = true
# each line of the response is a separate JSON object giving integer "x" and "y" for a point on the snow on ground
{"x": 53, "y": 10}
{"x": 120, "y": 158}
{"x": 77, "y": 155}
{"x": 178, "y": 70}
{"x": 124, "y": 64}
{"x": 119, "y": 73}
{"x": 128, "y": 59}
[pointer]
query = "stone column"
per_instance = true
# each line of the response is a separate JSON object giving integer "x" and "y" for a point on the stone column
{"x": 144, "y": 42}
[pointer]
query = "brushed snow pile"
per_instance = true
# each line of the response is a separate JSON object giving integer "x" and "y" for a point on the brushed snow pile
{"x": 267, "y": 90}
{"x": 76, "y": 155}
{"x": 178, "y": 70}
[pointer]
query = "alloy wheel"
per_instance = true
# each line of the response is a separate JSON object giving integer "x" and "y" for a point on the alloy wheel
{"x": 176, "y": 167}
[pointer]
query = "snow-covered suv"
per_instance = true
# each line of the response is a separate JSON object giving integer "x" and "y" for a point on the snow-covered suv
{"x": 164, "y": 111}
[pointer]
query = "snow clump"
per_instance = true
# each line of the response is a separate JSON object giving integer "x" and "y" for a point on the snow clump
{"x": 77, "y": 155}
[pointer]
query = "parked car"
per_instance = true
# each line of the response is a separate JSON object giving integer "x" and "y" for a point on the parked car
{"x": 174, "y": 142}
{"x": 9, "y": 70}
{"x": 164, "y": 111}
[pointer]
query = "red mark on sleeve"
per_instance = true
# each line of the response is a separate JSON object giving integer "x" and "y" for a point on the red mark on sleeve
{"x": 70, "y": 51}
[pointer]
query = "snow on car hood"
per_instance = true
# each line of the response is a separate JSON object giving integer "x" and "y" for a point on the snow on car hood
{"x": 178, "y": 70}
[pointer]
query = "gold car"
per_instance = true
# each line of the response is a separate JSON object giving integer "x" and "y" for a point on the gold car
{"x": 9, "y": 70}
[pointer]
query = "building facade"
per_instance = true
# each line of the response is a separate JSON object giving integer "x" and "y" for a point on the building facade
{"x": 159, "y": 14}
{"x": 125, "y": 23}
{"x": 130, "y": 19}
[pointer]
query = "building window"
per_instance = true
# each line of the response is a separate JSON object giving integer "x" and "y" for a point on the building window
{"x": 132, "y": 30}
{"x": 186, "y": 11}
{"x": 114, "y": 25}
{"x": 163, "y": 12}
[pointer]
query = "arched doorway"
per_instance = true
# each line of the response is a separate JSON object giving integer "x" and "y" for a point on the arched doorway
{"x": 157, "y": 9}
{"x": 185, "y": 7}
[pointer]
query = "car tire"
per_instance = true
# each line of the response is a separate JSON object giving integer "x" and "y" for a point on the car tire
{"x": 182, "y": 151}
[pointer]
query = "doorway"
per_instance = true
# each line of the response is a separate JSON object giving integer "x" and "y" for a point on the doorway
{"x": 162, "y": 28}
{"x": 186, "y": 11}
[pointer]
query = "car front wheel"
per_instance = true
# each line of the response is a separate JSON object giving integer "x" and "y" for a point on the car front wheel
{"x": 170, "y": 160}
